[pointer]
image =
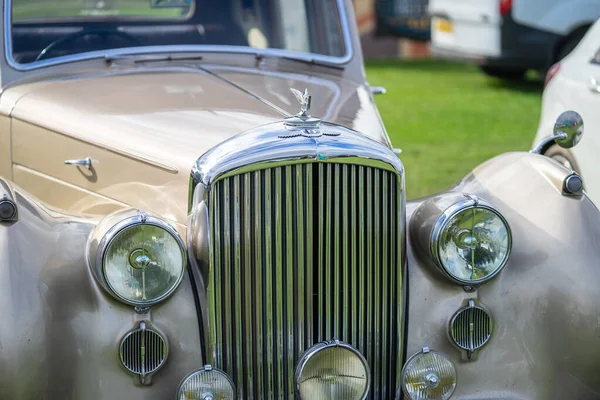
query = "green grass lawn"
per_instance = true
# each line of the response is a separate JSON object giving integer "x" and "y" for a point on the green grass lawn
{"x": 448, "y": 118}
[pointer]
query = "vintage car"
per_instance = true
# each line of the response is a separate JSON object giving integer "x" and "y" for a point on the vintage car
{"x": 175, "y": 222}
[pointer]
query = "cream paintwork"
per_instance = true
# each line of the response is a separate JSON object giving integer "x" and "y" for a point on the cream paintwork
{"x": 5, "y": 157}
{"x": 542, "y": 345}
{"x": 65, "y": 335}
{"x": 149, "y": 128}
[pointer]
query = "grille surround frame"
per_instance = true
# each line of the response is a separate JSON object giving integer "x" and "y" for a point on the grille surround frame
{"x": 271, "y": 147}
{"x": 134, "y": 350}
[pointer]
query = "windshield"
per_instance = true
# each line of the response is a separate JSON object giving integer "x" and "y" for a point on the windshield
{"x": 45, "y": 29}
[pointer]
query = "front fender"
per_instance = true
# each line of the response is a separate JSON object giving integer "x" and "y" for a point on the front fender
{"x": 60, "y": 332}
{"x": 545, "y": 342}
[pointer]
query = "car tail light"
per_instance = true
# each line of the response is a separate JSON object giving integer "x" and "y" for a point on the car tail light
{"x": 551, "y": 73}
{"x": 505, "y": 7}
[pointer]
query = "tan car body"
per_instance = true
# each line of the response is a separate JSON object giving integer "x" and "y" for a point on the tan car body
{"x": 144, "y": 128}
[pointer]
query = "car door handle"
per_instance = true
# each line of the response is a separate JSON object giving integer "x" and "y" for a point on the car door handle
{"x": 84, "y": 162}
{"x": 594, "y": 85}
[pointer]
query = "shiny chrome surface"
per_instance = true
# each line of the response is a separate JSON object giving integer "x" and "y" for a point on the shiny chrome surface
{"x": 114, "y": 53}
{"x": 304, "y": 99}
{"x": 143, "y": 352}
{"x": 106, "y": 231}
{"x": 198, "y": 378}
{"x": 469, "y": 201}
{"x": 573, "y": 185}
{"x": 568, "y": 131}
{"x": 471, "y": 328}
{"x": 432, "y": 379}
{"x": 289, "y": 222}
{"x": 8, "y": 210}
{"x": 8, "y": 207}
{"x": 303, "y": 124}
{"x": 311, "y": 352}
{"x": 84, "y": 162}
{"x": 282, "y": 192}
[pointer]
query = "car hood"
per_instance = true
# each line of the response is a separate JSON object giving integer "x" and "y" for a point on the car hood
{"x": 175, "y": 115}
{"x": 169, "y": 116}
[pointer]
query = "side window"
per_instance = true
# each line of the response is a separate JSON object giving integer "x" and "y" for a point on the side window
{"x": 596, "y": 58}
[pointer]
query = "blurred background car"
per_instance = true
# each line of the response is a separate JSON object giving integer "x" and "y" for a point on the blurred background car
{"x": 508, "y": 37}
{"x": 574, "y": 83}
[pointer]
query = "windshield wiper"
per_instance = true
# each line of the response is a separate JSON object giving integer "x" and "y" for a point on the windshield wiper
{"x": 259, "y": 55}
{"x": 150, "y": 58}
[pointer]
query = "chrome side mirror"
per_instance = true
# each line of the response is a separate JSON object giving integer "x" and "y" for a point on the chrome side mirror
{"x": 568, "y": 131}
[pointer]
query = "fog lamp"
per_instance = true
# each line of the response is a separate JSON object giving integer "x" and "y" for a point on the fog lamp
{"x": 206, "y": 384}
{"x": 471, "y": 241}
{"x": 332, "y": 370}
{"x": 428, "y": 375}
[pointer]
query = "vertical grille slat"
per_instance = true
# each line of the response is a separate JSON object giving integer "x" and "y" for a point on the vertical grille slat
{"x": 278, "y": 270}
{"x": 248, "y": 293}
{"x": 309, "y": 249}
{"x": 236, "y": 293}
{"x": 268, "y": 281}
{"x": 289, "y": 298}
{"x": 258, "y": 326}
{"x": 303, "y": 253}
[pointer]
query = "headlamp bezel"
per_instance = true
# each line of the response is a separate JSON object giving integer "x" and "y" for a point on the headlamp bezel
{"x": 446, "y": 217}
{"x": 140, "y": 218}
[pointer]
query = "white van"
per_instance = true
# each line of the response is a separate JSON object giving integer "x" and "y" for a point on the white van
{"x": 508, "y": 37}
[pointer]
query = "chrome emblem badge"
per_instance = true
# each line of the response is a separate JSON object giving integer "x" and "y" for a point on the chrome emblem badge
{"x": 303, "y": 124}
{"x": 304, "y": 99}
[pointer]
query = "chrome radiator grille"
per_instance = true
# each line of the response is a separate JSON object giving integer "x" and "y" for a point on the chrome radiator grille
{"x": 300, "y": 254}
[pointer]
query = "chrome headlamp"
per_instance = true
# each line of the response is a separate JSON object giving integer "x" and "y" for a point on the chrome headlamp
{"x": 333, "y": 370}
{"x": 140, "y": 259}
{"x": 471, "y": 241}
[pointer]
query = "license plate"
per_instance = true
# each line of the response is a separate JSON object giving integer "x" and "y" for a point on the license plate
{"x": 443, "y": 25}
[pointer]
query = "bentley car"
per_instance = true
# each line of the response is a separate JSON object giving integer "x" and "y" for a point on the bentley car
{"x": 199, "y": 200}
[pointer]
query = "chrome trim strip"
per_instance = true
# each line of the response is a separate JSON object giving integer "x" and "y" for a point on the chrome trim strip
{"x": 321, "y": 255}
{"x": 248, "y": 295}
{"x": 113, "y": 53}
{"x": 278, "y": 304}
{"x": 344, "y": 227}
{"x": 259, "y": 284}
{"x": 309, "y": 257}
{"x": 237, "y": 282}
{"x": 336, "y": 313}
{"x": 384, "y": 286}
{"x": 288, "y": 330}
{"x": 369, "y": 265}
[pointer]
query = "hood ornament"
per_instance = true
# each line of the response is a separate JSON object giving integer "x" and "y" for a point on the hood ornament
{"x": 303, "y": 124}
{"x": 304, "y": 99}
